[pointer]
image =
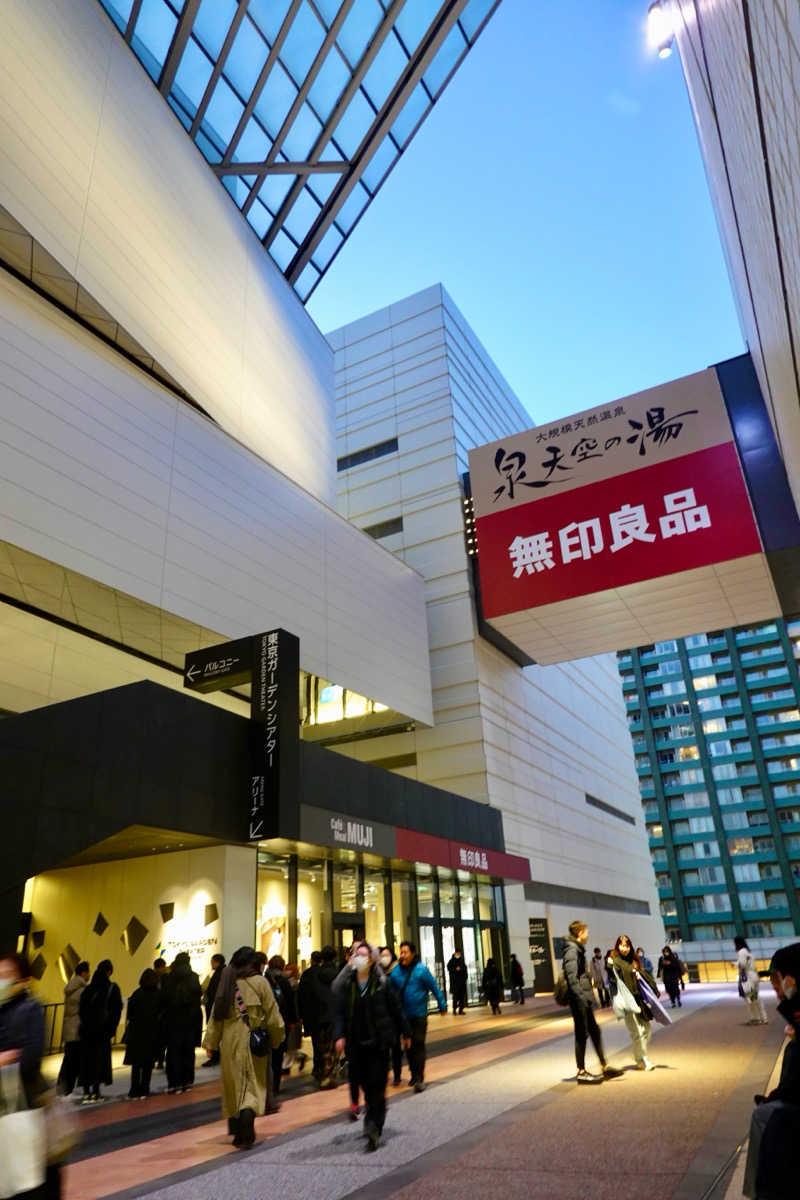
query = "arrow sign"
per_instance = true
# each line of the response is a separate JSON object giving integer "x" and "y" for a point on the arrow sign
{"x": 226, "y": 665}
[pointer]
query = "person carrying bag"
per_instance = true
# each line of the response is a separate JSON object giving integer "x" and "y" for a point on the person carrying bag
{"x": 23, "y": 1137}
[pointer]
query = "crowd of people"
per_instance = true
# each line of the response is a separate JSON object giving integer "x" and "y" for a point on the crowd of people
{"x": 363, "y": 1017}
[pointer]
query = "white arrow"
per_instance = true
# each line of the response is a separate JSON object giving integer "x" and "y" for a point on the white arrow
{"x": 190, "y": 674}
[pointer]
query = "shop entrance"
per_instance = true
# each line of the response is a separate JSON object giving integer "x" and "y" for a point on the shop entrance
{"x": 345, "y": 932}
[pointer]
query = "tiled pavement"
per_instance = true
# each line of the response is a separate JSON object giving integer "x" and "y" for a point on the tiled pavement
{"x": 502, "y": 1113}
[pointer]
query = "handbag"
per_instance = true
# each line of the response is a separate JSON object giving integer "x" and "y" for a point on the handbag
{"x": 23, "y": 1141}
{"x": 623, "y": 1000}
{"x": 561, "y": 991}
{"x": 659, "y": 1013}
{"x": 61, "y": 1127}
{"x": 260, "y": 1042}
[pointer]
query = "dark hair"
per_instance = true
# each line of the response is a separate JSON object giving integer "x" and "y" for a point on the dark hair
{"x": 159, "y": 962}
{"x": 148, "y": 980}
{"x": 261, "y": 958}
{"x": 181, "y": 959}
{"x": 328, "y": 954}
{"x": 667, "y": 951}
{"x": 218, "y": 959}
{"x": 81, "y": 967}
{"x": 244, "y": 963}
{"x": 597, "y": 950}
{"x": 576, "y": 928}
{"x": 740, "y": 943}
{"x": 316, "y": 958}
{"x": 20, "y": 961}
{"x": 411, "y": 945}
{"x": 632, "y": 956}
{"x": 276, "y": 963}
{"x": 106, "y": 966}
{"x": 786, "y": 961}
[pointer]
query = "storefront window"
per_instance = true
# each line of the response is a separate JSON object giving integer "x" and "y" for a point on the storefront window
{"x": 486, "y": 910}
{"x": 425, "y": 891}
{"x": 345, "y": 887}
{"x": 313, "y": 904}
{"x": 374, "y": 908}
{"x": 272, "y": 904}
{"x": 466, "y": 893}
{"x": 402, "y": 911}
{"x": 447, "y": 894}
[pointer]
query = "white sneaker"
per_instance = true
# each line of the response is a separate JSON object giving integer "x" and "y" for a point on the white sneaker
{"x": 648, "y": 1066}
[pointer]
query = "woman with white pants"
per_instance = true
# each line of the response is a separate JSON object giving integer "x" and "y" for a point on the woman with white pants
{"x": 748, "y": 983}
{"x": 627, "y": 970}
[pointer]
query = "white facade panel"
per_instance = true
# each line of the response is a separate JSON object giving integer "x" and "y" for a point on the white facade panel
{"x": 106, "y": 473}
{"x": 531, "y": 742}
{"x": 111, "y": 186}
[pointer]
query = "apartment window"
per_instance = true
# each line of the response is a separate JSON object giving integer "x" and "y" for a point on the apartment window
{"x": 780, "y": 739}
{"x": 751, "y": 900}
{"x": 703, "y": 682}
{"x": 711, "y": 875}
{"x": 663, "y": 881}
{"x": 655, "y": 831}
{"x": 782, "y": 716}
{"x": 717, "y": 902}
{"x": 720, "y": 748}
{"x": 746, "y": 872}
{"x": 669, "y": 647}
{"x": 706, "y": 849}
{"x": 764, "y": 845}
{"x": 776, "y": 765}
{"x": 755, "y": 819}
{"x": 700, "y": 660}
{"x": 689, "y": 800}
{"x": 785, "y": 789}
{"x": 694, "y": 904}
{"x": 378, "y": 450}
{"x": 668, "y": 908}
{"x": 740, "y": 845}
{"x": 788, "y": 816}
{"x": 724, "y": 771}
{"x": 701, "y": 825}
{"x": 734, "y": 820}
{"x": 777, "y": 900}
{"x": 715, "y": 725}
{"x": 697, "y": 639}
{"x": 730, "y": 795}
{"x": 769, "y": 871}
{"x": 687, "y": 753}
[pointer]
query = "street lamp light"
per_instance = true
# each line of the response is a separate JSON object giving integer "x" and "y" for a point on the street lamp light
{"x": 659, "y": 30}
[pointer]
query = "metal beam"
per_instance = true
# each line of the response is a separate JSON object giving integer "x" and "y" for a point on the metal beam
{"x": 299, "y": 100}
{"x": 177, "y": 46}
{"x": 132, "y": 19}
{"x": 263, "y": 76}
{"x": 219, "y": 66}
{"x": 280, "y": 168}
{"x": 356, "y": 79}
{"x": 448, "y": 16}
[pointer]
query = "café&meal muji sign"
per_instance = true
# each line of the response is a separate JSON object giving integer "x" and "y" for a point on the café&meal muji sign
{"x": 616, "y": 526}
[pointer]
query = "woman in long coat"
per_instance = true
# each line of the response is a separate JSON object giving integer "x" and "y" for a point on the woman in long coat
{"x": 143, "y": 1034}
{"x": 100, "y": 1011}
{"x": 670, "y": 969}
{"x": 242, "y": 992}
{"x": 628, "y": 968}
{"x": 492, "y": 985}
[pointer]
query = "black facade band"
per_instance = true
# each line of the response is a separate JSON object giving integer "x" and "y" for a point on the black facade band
{"x": 578, "y": 898}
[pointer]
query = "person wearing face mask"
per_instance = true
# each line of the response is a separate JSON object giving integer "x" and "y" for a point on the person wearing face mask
{"x": 457, "y": 973}
{"x": 772, "y": 1152}
{"x": 368, "y": 1019}
{"x": 629, "y": 969}
{"x": 749, "y": 983}
{"x": 387, "y": 958}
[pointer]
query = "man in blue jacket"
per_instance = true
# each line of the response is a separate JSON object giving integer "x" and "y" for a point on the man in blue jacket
{"x": 414, "y": 981}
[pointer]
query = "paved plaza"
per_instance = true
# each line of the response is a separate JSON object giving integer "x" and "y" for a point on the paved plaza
{"x": 502, "y": 1113}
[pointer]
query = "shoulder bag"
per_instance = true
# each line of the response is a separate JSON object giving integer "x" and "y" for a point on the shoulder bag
{"x": 23, "y": 1139}
{"x": 624, "y": 1001}
{"x": 561, "y": 991}
{"x": 260, "y": 1044}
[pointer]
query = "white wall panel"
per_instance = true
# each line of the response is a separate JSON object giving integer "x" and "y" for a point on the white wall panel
{"x": 159, "y": 502}
{"x": 97, "y": 168}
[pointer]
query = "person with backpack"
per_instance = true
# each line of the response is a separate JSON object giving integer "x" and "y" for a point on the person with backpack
{"x": 414, "y": 983}
{"x": 580, "y": 997}
{"x": 244, "y": 1002}
{"x": 182, "y": 1015}
{"x": 100, "y": 1010}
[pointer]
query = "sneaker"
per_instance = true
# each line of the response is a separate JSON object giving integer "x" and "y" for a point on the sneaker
{"x": 354, "y": 1112}
{"x": 373, "y": 1138}
{"x": 87, "y": 1100}
{"x": 648, "y": 1066}
{"x": 640, "y": 1066}
{"x": 419, "y": 1086}
{"x": 584, "y": 1077}
{"x": 612, "y": 1072}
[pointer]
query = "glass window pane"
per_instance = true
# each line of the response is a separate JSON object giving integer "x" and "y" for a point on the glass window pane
{"x": 445, "y": 61}
{"x": 224, "y": 112}
{"x": 381, "y": 162}
{"x": 313, "y": 903}
{"x": 212, "y": 23}
{"x": 466, "y": 893}
{"x": 253, "y": 145}
{"x": 268, "y": 16}
{"x": 303, "y": 133}
{"x": 259, "y": 218}
{"x": 274, "y": 191}
{"x": 321, "y": 186}
{"x": 352, "y": 208}
{"x": 345, "y": 888}
{"x": 306, "y": 281}
{"x": 413, "y": 22}
{"x": 386, "y": 69}
{"x": 193, "y": 74}
{"x": 328, "y": 85}
{"x": 412, "y": 113}
{"x": 402, "y": 910}
{"x": 330, "y": 702}
{"x": 473, "y": 15}
{"x": 359, "y": 26}
{"x": 302, "y": 43}
{"x": 323, "y": 254}
{"x": 245, "y": 59}
{"x": 447, "y": 895}
{"x": 154, "y": 31}
{"x": 237, "y": 188}
{"x": 424, "y": 892}
{"x": 272, "y": 903}
{"x": 282, "y": 250}
{"x": 354, "y": 124}
{"x": 374, "y": 908}
{"x": 486, "y": 905}
{"x": 276, "y": 99}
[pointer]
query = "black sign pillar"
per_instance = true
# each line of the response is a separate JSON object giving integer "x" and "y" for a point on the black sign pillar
{"x": 539, "y": 945}
{"x": 271, "y": 663}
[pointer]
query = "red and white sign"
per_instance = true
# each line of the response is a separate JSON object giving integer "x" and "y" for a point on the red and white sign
{"x": 440, "y": 852}
{"x": 647, "y": 488}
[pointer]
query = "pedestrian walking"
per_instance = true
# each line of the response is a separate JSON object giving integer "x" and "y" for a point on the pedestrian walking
{"x": 492, "y": 986}
{"x": 244, "y": 1002}
{"x": 294, "y": 1038}
{"x": 599, "y": 974}
{"x": 287, "y": 1006}
{"x": 315, "y": 1007}
{"x": 100, "y": 1009}
{"x": 369, "y": 1017}
{"x": 182, "y": 1015}
{"x": 517, "y": 981}
{"x": 71, "y": 1062}
{"x": 217, "y": 965}
{"x": 628, "y": 970}
{"x": 671, "y": 971}
{"x": 457, "y": 974}
{"x": 387, "y": 959}
{"x": 644, "y": 960}
{"x": 414, "y": 984}
{"x": 581, "y": 1004}
{"x": 749, "y": 983}
{"x": 142, "y": 1033}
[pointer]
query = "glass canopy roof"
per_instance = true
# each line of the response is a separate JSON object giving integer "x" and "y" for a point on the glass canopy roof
{"x": 301, "y": 107}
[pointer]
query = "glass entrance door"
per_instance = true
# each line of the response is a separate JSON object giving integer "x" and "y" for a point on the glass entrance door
{"x": 345, "y": 932}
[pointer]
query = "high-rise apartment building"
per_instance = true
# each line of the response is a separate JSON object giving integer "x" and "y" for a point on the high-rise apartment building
{"x": 715, "y": 723}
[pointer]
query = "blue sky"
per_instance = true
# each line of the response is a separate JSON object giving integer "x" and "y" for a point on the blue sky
{"x": 558, "y": 193}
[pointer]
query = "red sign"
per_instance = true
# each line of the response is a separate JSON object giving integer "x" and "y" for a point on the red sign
{"x": 440, "y": 852}
{"x": 670, "y": 516}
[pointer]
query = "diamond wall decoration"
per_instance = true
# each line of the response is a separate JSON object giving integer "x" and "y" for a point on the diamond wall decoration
{"x": 38, "y": 939}
{"x": 134, "y": 935}
{"x": 212, "y": 914}
{"x": 167, "y": 911}
{"x": 38, "y": 967}
{"x": 100, "y": 925}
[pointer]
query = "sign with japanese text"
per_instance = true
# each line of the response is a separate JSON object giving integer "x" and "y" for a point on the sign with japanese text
{"x": 223, "y": 666}
{"x": 648, "y": 487}
{"x": 540, "y": 955}
{"x": 322, "y": 827}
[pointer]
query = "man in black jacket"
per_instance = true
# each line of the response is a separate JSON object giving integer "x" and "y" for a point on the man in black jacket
{"x": 581, "y": 1003}
{"x": 772, "y": 1152}
{"x": 457, "y": 971}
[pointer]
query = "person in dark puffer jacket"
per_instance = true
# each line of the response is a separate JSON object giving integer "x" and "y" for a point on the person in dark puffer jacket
{"x": 581, "y": 1003}
{"x": 369, "y": 1017}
